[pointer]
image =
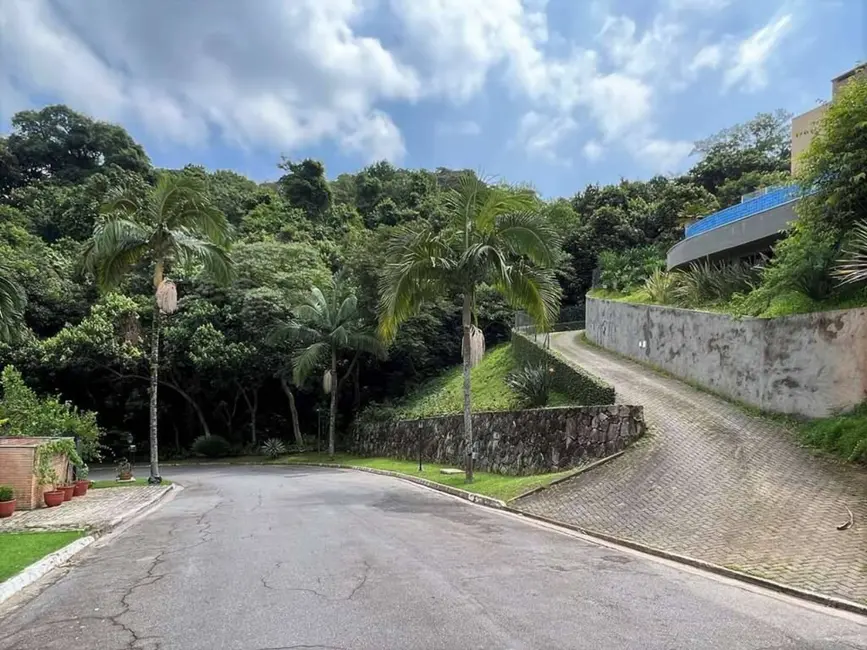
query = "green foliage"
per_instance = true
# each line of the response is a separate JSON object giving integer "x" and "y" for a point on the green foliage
{"x": 45, "y": 454}
{"x": 852, "y": 266}
{"x": 627, "y": 270}
{"x": 533, "y": 384}
{"x": 6, "y": 493}
{"x": 273, "y": 448}
{"x": 211, "y": 447}
{"x": 579, "y": 385}
{"x": 12, "y": 303}
{"x": 712, "y": 283}
{"x": 663, "y": 287}
{"x": 843, "y": 435}
{"x": 29, "y": 415}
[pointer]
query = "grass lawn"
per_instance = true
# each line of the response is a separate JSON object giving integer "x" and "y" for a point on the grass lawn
{"x": 444, "y": 394}
{"x": 497, "y": 486}
{"x": 19, "y": 550}
{"x": 111, "y": 483}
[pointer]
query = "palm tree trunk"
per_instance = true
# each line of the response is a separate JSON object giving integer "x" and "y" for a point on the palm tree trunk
{"x": 333, "y": 415}
{"x": 299, "y": 441}
{"x": 154, "y": 406}
{"x": 468, "y": 415}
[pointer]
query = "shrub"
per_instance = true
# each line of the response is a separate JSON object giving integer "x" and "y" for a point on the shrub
{"x": 626, "y": 270}
{"x": 211, "y": 447}
{"x": 533, "y": 384}
{"x": 29, "y": 415}
{"x": 273, "y": 448}
{"x": 709, "y": 283}
{"x": 662, "y": 287}
{"x": 6, "y": 493}
{"x": 844, "y": 435}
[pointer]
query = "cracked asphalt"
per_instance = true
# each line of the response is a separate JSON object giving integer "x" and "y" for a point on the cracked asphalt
{"x": 272, "y": 558}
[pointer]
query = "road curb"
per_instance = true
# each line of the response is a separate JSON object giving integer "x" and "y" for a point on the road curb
{"x": 29, "y": 575}
{"x": 803, "y": 594}
{"x": 571, "y": 475}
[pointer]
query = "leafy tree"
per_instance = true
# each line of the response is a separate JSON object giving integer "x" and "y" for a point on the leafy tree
{"x": 327, "y": 327}
{"x": 173, "y": 225}
{"x": 305, "y": 187}
{"x": 494, "y": 236}
{"x": 12, "y": 303}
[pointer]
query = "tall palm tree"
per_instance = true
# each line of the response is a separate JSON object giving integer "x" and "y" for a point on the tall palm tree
{"x": 494, "y": 235}
{"x": 172, "y": 224}
{"x": 327, "y": 326}
{"x": 12, "y": 303}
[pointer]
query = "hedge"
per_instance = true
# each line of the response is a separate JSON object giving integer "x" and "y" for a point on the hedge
{"x": 578, "y": 384}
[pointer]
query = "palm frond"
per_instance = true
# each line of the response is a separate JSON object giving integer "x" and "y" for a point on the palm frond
{"x": 423, "y": 264}
{"x": 527, "y": 233}
{"x": 348, "y": 309}
{"x": 181, "y": 201}
{"x": 499, "y": 201}
{"x": 532, "y": 289}
{"x": 12, "y": 303}
{"x": 121, "y": 201}
{"x": 116, "y": 245}
{"x": 214, "y": 259}
{"x": 306, "y": 361}
{"x": 366, "y": 342}
{"x": 852, "y": 266}
{"x": 292, "y": 332}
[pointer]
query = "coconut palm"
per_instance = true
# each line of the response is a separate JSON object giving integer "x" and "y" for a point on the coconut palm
{"x": 172, "y": 224}
{"x": 494, "y": 235}
{"x": 12, "y": 303}
{"x": 326, "y": 327}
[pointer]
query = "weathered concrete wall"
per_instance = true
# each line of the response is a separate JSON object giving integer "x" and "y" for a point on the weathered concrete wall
{"x": 509, "y": 442}
{"x": 809, "y": 364}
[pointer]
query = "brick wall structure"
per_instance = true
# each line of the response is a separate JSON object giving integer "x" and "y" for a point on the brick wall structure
{"x": 18, "y": 469}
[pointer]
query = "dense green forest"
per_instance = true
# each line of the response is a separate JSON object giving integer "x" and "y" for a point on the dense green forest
{"x": 87, "y": 339}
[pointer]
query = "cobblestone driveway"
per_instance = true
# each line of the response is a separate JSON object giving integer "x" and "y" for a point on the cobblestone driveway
{"x": 716, "y": 484}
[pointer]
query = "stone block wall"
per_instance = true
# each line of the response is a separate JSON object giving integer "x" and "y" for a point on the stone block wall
{"x": 809, "y": 364}
{"x": 524, "y": 442}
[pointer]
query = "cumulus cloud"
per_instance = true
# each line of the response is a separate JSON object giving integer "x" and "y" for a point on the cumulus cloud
{"x": 541, "y": 135}
{"x": 750, "y": 60}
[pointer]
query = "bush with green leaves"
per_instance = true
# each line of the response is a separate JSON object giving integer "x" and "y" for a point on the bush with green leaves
{"x": 532, "y": 384}
{"x": 274, "y": 448}
{"x": 6, "y": 493}
{"x": 29, "y": 415}
{"x": 662, "y": 287}
{"x": 624, "y": 271}
{"x": 712, "y": 283}
{"x": 211, "y": 447}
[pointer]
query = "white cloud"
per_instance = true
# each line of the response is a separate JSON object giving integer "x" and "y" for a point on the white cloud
{"x": 642, "y": 55}
{"x": 750, "y": 60}
{"x": 710, "y": 56}
{"x": 593, "y": 150}
{"x": 697, "y": 5}
{"x": 285, "y": 74}
{"x": 659, "y": 155}
{"x": 541, "y": 135}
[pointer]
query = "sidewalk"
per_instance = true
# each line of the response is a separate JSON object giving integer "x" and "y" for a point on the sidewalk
{"x": 716, "y": 484}
{"x": 96, "y": 511}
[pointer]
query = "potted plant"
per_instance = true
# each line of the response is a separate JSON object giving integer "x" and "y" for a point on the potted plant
{"x": 124, "y": 470}
{"x": 47, "y": 476}
{"x": 81, "y": 482}
{"x": 7, "y": 501}
{"x": 68, "y": 490}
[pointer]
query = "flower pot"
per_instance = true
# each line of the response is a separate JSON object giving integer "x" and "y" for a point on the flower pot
{"x": 67, "y": 491}
{"x": 7, "y": 508}
{"x": 53, "y": 498}
{"x": 81, "y": 488}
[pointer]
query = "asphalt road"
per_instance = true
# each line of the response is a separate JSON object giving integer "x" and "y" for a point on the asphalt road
{"x": 256, "y": 558}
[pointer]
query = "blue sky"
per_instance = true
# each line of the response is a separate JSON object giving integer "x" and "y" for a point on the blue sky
{"x": 557, "y": 93}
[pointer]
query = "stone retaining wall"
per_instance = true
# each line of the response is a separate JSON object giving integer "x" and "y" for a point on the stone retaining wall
{"x": 532, "y": 441}
{"x": 809, "y": 364}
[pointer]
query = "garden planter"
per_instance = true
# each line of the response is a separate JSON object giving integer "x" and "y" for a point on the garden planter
{"x": 81, "y": 488}
{"x": 7, "y": 508}
{"x": 53, "y": 498}
{"x": 67, "y": 491}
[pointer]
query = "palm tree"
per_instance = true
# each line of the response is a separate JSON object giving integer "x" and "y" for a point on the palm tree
{"x": 326, "y": 326}
{"x": 494, "y": 235}
{"x": 172, "y": 224}
{"x": 12, "y": 303}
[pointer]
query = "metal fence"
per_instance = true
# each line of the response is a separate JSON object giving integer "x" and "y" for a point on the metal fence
{"x": 524, "y": 325}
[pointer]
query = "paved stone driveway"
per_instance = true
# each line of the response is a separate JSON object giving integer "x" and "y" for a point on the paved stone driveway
{"x": 97, "y": 510}
{"x": 716, "y": 484}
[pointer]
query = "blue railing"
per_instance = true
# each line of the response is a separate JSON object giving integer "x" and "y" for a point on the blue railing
{"x": 772, "y": 199}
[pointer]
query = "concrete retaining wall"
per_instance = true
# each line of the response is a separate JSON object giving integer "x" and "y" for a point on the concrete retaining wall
{"x": 509, "y": 442}
{"x": 809, "y": 364}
